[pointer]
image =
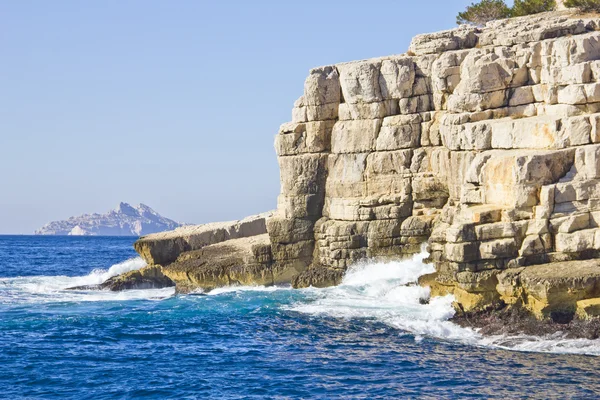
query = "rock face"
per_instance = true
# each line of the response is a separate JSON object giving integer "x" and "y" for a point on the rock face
{"x": 485, "y": 143}
{"x": 124, "y": 220}
{"x": 556, "y": 290}
{"x": 149, "y": 277}
{"x": 244, "y": 261}
{"x": 166, "y": 247}
{"x": 206, "y": 257}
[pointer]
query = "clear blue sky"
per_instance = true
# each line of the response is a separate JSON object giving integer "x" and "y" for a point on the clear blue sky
{"x": 171, "y": 103}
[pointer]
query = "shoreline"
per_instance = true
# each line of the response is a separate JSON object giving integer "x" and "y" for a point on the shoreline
{"x": 506, "y": 321}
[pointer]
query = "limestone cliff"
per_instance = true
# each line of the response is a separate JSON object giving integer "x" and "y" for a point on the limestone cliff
{"x": 483, "y": 143}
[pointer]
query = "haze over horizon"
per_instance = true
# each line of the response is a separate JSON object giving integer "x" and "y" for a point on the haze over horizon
{"x": 174, "y": 105}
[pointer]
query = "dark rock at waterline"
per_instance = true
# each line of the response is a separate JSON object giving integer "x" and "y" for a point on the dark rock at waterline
{"x": 150, "y": 277}
{"x": 85, "y": 287}
{"x": 146, "y": 278}
{"x": 319, "y": 276}
{"x": 501, "y": 320}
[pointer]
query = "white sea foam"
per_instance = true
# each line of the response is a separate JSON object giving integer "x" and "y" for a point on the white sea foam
{"x": 239, "y": 289}
{"x": 44, "y": 289}
{"x": 384, "y": 292}
{"x": 387, "y": 292}
{"x": 551, "y": 344}
{"x": 98, "y": 276}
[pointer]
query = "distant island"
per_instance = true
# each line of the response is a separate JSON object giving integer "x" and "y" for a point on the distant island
{"x": 124, "y": 220}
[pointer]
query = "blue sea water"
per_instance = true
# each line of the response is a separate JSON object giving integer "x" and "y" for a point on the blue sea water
{"x": 369, "y": 338}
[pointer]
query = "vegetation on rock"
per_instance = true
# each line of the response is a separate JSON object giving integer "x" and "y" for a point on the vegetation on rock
{"x": 528, "y": 7}
{"x": 483, "y": 12}
{"x": 490, "y": 10}
{"x": 584, "y": 5}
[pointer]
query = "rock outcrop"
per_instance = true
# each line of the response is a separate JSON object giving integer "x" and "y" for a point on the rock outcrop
{"x": 244, "y": 261}
{"x": 203, "y": 257}
{"x": 166, "y": 247}
{"x": 148, "y": 277}
{"x": 124, "y": 220}
{"x": 483, "y": 143}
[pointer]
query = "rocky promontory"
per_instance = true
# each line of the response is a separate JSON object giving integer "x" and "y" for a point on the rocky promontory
{"x": 483, "y": 143}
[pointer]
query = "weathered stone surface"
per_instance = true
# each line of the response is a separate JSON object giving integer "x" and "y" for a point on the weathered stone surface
{"x": 482, "y": 141}
{"x": 588, "y": 309}
{"x": 149, "y": 277}
{"x": 245, "y": 261}
{"x": 551, "y": 290}
{"x": 319, "y": 276}
{"x": 455, "y": 39}
{"x": 164, "y": 248}
{"x": 309, "y": 137}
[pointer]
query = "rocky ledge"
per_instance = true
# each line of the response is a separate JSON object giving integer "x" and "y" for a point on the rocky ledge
{"x": 483, "y": 143}
{"x": 203, "y": 257}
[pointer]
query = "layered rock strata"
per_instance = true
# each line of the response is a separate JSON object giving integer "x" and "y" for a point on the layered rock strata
{"x": 165, "y": 247}
{"x": 244, "y": 261}
{"x": 482, "y": 143}
{"x": 485, "y": 143}
{"x": 203, "y": 257}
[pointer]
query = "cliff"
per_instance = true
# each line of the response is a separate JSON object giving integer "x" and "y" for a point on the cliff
{"x": 124, "y": 220}
{"x": 482, "y": 143}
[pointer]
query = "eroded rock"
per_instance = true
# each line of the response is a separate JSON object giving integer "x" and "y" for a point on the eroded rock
{"x": 481, "y": 142}
{"x": 164, "y": 248}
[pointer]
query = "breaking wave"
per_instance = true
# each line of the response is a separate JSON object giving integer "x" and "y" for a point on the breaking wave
{"x": 45, "y": 289}
{"x": 387, "y": 293}
{"x": 372, "y": 291}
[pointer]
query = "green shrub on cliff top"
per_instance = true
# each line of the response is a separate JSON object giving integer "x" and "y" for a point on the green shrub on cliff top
{"x": 490, "y": 10}
{"x": 483, "y": 12}
{"x": 528, "y": 7}
{"x": 584, "y": 5}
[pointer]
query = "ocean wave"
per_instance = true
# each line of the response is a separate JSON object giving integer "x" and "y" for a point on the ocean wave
{"x": 44, "y": 289}
{"x": 550, "y": 344}
{"x": 387, "y": 293}
{"x": 99, "y": 276}
{"x": 239, "y": 289}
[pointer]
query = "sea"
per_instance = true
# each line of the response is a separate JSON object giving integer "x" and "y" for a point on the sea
{"x": 377, "y": 335}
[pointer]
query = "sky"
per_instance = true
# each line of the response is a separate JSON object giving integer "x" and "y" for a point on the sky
{"x": 174, "y": 104}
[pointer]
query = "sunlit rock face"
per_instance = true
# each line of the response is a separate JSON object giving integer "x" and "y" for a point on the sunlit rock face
{"x": 482, "y": 142}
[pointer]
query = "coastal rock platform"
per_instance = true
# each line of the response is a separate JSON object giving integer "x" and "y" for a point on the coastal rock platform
{"x": 481, "y": 142}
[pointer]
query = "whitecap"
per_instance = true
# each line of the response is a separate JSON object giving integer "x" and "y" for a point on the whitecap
{"x": 387, "y": 292}
{"x": 45, "y": 289}
{"x": 238, "y": 289}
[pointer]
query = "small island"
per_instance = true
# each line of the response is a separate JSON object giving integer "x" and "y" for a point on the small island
{"x": 124, "y": 220}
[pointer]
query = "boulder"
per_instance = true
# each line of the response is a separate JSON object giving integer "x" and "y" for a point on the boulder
{"x": 148, "y": 277}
